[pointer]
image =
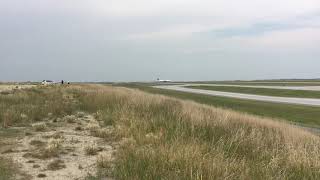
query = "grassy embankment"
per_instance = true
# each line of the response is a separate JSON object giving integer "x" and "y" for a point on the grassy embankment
{"x": 172, "y": 139}
{"x": 262, "y": 91}
{"x": 168, "y": 138}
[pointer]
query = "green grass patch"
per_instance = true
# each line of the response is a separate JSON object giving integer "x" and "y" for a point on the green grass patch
{"x": 265, "y": 82}
{"x": 262, "y": 91}
{"x": 305, "y": 115}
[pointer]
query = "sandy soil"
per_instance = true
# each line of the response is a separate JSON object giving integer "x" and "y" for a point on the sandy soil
{"x": 60, "y": 149}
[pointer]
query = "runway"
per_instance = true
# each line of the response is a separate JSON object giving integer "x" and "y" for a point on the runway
{"x": 287, "y": 100}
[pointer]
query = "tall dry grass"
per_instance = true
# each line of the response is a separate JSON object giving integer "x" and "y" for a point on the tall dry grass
{"x": 21, "y": 107}
{"x": 6, "y": 169}
{"x": 167, "y": 138}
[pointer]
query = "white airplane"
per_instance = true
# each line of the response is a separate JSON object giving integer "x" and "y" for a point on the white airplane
{"x": 160, "y": 80}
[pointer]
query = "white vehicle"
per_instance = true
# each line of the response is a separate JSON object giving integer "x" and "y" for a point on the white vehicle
{"x": 47, "y": 82}
{"x": 160, "y": 80}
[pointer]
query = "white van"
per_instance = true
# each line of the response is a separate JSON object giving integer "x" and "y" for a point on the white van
{"x": 47, "y": 82}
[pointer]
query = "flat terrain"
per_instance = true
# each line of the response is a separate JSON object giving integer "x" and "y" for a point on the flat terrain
{"x": 299, "y": 101}
{"x": 266, "y": 91}
{"x": 104, "y": 132}
{"x": 264, "y": 83}
{"x": 306, "y": 88}
{"x": 304, "y": 115}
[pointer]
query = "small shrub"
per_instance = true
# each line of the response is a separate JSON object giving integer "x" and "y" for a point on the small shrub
{"x": 51, "y": 150}
{"x": 27, "y": 133}
{"x": 54, "y": 145}
{"x": 37, "y": 143}
{"x": 70, "y": 119}
{"x": 5, "y": 92}
{"x": 35, "y": 166}
{"x": 78, "y": 128}
{"x": 92, "y": 150}
{"x": 101, "y": 132}
{"x": 56, "y": 165}
{"x": 80, "y": 114}
{"x": 92, "y": 126}
{"x": 104, "y": 160}
{"x": 39, "y": 127}
{"x": 41, "y": 175}
{"x": 56, "y": 135}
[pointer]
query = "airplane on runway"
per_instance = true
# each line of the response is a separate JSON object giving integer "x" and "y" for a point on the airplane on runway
{"x": 160, "y": 80}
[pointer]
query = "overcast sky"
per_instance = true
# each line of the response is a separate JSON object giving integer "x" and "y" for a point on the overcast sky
{"x": 141, "y": 40}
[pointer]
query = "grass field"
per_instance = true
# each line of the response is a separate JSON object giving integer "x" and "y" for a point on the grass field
{"x": 159, "y": 137}
{"x": 262, "y": 91}
{"x": 265, "y": 83}
{"x": 174, "y": 139}
{"x": 9, "y": 87}
{"x": 305, "y": 115}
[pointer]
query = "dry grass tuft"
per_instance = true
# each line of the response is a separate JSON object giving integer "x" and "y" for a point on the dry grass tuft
{"x": 54, "y": 145}
{"x": 92, "y": 126}
{"x": 92, "y": 150}
{"x": 37, "y": 143}
{"x": 97, "y": 131}
{"x": 104, "y": 161}
{"x": 56, "y": 165}
{"x": 41, "y": 175}
{"x": 56, "y": 135}
{"x": 102, "y": 132}
{"x": 52, "y": 149}
{"x": 39, "y": 127}
{"x": 80, "y": 114}
{"x": 35, "y": 166}
{"x": 78, "y": 128}
{"x": 70, "y": 119}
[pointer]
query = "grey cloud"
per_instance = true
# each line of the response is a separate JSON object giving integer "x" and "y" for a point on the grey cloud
{"x": 82, "y": 46}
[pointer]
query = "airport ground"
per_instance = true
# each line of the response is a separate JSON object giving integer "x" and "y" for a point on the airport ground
{"x": 304, "y": 115}
{"x": 136, "y": 131}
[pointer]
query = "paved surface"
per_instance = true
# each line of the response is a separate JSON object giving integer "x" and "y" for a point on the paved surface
{"x": 299, "y": 101}
{"x": 309, "y": 88}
